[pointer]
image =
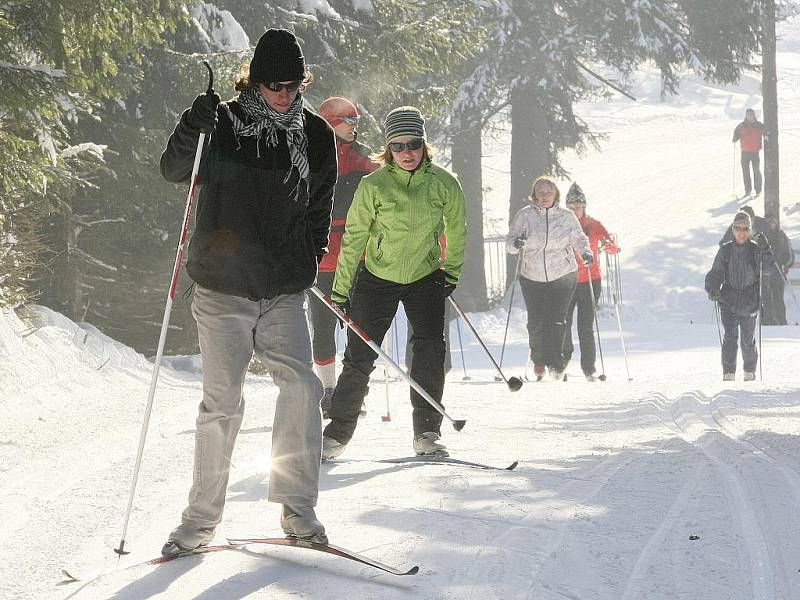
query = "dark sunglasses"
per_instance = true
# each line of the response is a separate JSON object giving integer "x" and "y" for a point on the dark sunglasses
{"x": 740, "y": 228}
{"x": 414, "y": 144}
{"x": 275, "y": 86}
{"x": 350, "y": 120}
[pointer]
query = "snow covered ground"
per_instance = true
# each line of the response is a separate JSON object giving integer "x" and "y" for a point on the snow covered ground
{"x": 671, "y": 485}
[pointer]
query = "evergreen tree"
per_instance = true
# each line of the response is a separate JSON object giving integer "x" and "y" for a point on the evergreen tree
{"x": 58, "y": 61}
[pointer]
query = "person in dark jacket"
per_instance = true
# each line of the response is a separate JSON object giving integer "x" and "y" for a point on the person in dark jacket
{"x": 354, "y": 163}
{"x": 768, "y": 235}
{"x": 733, "y": 281}
{"x": 749, "y": 133}
{"x": 263, "y": 213}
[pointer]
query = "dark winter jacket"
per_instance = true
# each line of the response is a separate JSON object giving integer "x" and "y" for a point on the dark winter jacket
{"x": 750, "y": 134}
{"x": 354, "y": 163}
{"x": 251, "y": 238}
{"x": 734, "y": 275}
{"x": 778, "y": 243}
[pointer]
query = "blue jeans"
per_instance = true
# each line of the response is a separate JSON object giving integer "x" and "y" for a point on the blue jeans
{"x": 231, "y": 329}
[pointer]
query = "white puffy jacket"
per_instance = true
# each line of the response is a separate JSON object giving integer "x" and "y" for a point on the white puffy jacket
{"x": 551, "y": 235}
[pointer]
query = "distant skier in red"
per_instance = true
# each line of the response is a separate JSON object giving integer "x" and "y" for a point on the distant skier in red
{"x": 587, "y": 275}
{"x": 750, "y": 133}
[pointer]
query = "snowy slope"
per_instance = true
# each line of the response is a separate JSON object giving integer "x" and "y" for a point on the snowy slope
{"x": 668, "y": 486}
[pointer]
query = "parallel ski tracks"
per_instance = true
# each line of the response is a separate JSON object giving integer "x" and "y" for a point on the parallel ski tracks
{"x": 740, "y": 464}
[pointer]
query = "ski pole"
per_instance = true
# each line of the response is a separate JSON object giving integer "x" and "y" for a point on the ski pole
{"x": 461, "y": 348}
{"x": 513, "y": 383}
{"x": 716, "y": 316}
{"x": 458, "y": 425}
{"x": 165, "y": 322}
{"x": 760, "y": 317}
{"x": 602, "y": 376}
{"x": 621, "y": 336}
{"x": 387, "y": 343}
{"x": 510, "y": 304}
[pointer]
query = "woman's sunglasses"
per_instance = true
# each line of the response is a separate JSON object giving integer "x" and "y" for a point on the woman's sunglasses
{"x": 350, "y": 120}
{"x": 414, "y": 144}
{"x": 275, "y": 86}
{"x": 740, "y": 228}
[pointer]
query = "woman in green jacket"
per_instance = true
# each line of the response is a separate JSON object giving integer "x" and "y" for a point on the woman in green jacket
{"x": 395, "y": 222}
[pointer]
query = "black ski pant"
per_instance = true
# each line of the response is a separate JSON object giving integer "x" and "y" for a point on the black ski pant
{"x": 582, "y": 299}
{"x": 748, "y": 159}
{"x": 448, "y": 361}
{"x": 741, "y": 329}
{"x": 374, "y": 302}
{"x": 323, "y": 322}
{"x": 547, "y": 304}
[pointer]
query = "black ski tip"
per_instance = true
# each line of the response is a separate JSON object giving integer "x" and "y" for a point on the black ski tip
{"x": 514, "y": 383}
{"x": 512, "y": 466}
{"x": 458, "y": 425}
{"x": 412, "y": 571}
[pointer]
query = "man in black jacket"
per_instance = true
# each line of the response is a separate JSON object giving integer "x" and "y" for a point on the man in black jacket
{"x": 768, "y": 235}
{"x": 263, "y": 214}
{"x": 733, "y": 281}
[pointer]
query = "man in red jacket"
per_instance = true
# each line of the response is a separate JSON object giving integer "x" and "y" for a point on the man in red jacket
{"x": 749, "y": 133}
{"x": 354, "y": 163}
{"x": 582, "y": 298}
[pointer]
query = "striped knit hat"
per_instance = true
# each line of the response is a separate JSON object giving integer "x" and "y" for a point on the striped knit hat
{"x": 575, "y": 195}
{"x": 404, "y": 120}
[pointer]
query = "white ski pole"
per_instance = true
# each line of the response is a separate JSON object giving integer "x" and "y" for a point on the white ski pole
{"x": 165, "y": 322}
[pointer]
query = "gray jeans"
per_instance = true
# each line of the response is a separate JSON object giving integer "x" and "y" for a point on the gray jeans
{"x": 230, "y": 329}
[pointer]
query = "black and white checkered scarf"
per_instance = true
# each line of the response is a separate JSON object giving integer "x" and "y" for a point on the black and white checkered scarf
{"x": 265, "y": 122}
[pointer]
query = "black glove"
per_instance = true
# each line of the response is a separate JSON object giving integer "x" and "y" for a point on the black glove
{"x": 519, "y": 242}
{"x": 203, "y": 114}
{"x": 448, "y": 287}
{"x": 714, "y": 296}
{"x": 343, "y": 304}
{"x": 588, "y": 258}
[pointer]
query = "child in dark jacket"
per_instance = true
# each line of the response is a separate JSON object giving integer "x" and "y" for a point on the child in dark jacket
{"x": 734, "y": 282}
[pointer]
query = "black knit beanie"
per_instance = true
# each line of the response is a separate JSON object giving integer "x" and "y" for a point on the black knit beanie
{"x": 278, "y": 57}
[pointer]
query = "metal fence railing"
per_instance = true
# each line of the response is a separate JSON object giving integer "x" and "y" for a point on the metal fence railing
{"x": 494, "y": 256}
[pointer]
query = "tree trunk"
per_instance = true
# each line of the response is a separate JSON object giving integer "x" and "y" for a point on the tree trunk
{"x": 769, "y": 90}
{"x": 467, "y": 163}
{"x": 529, "y": 151}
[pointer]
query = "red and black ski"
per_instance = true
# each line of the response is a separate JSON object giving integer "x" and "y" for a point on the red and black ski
{"x": 446, "y": 460}
{"x": 326, "y": 548}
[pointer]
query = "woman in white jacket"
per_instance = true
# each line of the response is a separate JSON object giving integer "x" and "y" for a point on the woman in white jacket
{"x": 546, "y": 234}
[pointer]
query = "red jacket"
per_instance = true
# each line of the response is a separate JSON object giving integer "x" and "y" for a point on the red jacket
{"x": 750, "y": 134}
{"x": 354, "y": 163}
{"x": 596, "y": 233}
